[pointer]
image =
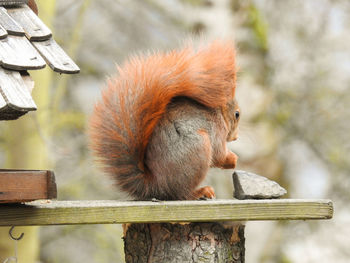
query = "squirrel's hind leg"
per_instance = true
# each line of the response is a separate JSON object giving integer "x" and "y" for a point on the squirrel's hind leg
{"x": 204, "y": 192}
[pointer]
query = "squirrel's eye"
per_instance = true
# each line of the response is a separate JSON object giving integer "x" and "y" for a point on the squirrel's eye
{"x": 237, "y": 115}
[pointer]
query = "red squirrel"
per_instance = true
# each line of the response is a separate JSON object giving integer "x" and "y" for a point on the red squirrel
{"x": 165, "y": 119}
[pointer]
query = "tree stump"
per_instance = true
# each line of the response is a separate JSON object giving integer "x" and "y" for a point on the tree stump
{"x": 184, "y": 242}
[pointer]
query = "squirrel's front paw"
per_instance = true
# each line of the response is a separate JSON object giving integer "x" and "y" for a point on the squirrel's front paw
{"x": 204, "y": 192}
{"x": 230, "y": 161}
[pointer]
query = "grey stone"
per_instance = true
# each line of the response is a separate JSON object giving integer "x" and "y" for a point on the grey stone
{"x": 252, "y": 186}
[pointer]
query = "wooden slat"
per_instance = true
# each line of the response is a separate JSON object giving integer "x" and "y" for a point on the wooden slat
{"x": 55, "y": 57}
{"x": 25, "y": 185}
{"x": 3, "y": 32}
{"x": 15, "y": 91}
{"x": 10, "y": 25}
{"x": 18, "y": 54}
{"x": 11, "y": 114}
{"x": 3, "y": 103}
{"x": 33, "y": 27}
{"x": 111, "y": 212}
{"x": 13, "y": 2}
{"x": 28, "y": 81}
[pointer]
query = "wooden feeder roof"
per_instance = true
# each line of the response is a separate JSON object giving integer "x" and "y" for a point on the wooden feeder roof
{"x": 26, "y": 43}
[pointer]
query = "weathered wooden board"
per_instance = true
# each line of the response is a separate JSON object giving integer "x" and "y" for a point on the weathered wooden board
{"x": 17, "y": 53}
{"x": 10, "y": 25}
{"x": 55, "y": 57}
{"x": 28, "y": 81}
{"x": 8, "y": 113}
{"x": 111, "y": 212}
{"x": 26, "y": 185}
{"x": 3, "y": 103}
{"x": 3, "y": 32}
{"x": 15, "y": 98}
{"x": 33, "y": 27}
{"x": 13, "y": 2}
{"x": 14, "y": 90}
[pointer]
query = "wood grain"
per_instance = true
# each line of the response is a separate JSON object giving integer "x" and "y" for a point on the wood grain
{"x": 3, "y": 103}
{"x": 55, "y": 57}
{"x": 13, "y": 2}
{"x": 111, "y": 212}
{"x": 3, "y": 32}
{"x": 33, "y": 27}
{"x": 26, "y": 185}
{"x": 8, "y": 113}
{"x": 14, "y": 91}
{"x": 10, "y": 25}
{"x": 17, "y": 53}
{"x": 28, "y": 81}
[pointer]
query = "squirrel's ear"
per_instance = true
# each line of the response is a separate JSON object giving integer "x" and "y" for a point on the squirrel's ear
{"x": 33, "y": 6}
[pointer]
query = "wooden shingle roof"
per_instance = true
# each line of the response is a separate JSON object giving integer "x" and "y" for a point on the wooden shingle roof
{"x": 26, "y": 43}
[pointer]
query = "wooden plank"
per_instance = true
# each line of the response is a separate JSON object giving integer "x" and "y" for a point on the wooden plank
{"x": 3, "y": 103}
{"x": 3, "y": 32}
{"x": 11, "y": 114}
{"x": 26, "y": 185}
{"x": 33, "y": 27}
{"x": 18, "y": 54}
{"x": 9, "y": 111}
{"x": 10, "y": 25}
{"x": 13, "y": 2}
{"x": 28, "y": 81}
{"x": 14, "y": 90}
{"x": 55, "y": 57}
{"x": 112, "y": 212}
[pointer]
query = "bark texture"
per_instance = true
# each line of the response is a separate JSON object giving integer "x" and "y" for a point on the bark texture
{"x": 184, "y": 242}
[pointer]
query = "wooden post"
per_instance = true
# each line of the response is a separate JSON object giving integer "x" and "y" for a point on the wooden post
{"x": 197, "y": 242}
{"x": 184, "y": 242}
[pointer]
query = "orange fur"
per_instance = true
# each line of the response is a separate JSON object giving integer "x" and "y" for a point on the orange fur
{"x": 137, "y": 98}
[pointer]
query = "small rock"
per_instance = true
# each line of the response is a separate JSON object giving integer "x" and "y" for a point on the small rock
{"x": 252, "y": 186}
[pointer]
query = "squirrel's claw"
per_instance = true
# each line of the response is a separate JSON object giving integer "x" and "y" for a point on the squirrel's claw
{"x": 206, "y": 192}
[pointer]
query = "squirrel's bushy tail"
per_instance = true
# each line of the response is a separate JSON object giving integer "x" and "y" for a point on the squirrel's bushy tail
{"x": 135, "y": 100}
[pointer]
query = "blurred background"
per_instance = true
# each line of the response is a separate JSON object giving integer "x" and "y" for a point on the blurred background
{"x": 293, "y": 89}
